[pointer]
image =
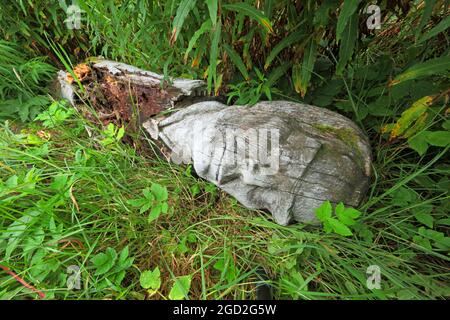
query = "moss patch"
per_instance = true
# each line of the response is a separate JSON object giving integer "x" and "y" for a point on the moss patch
{"x": 345, "y": 135}
{"x": 348, "y": 137}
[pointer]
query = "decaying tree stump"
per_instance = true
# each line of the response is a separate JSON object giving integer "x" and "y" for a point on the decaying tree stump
{"x": 118, "y": 90}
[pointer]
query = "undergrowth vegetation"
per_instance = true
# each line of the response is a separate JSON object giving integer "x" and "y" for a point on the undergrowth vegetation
{"x": 89, "y": 210}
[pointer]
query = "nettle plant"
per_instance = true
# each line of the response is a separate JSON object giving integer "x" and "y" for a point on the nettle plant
{"x": 343, "y": 220}
{"x": 154, "y": 199}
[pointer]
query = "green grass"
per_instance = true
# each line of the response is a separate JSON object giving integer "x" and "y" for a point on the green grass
{"x": 81, "y": 188}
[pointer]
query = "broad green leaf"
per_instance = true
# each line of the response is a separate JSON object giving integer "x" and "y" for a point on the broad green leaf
{"x": 419, "y": 143}
{"x": 446, "y": 125}
{"x": 339, "y": 227}
{"x": 410, "y": 115}
{"x": 183, "y": 10}
{"x": 154, "y": 213}
{"x": 123, "y": 255}
{"x": 59, "y": 183}
{"x": 234, "y": 56}
{"x": 352, "y": 213}
{"x": 145, "y": 206}
{"x": 150, "y": 279}
{"x": 148, "y": 194}
{"x": 431, "y": 67}
{"x": 438, "y": 138}
{"x": 286, "y": 42}
{"x": 104, "y": 261}
{"x": 252, "y": 12}
{"x": 159, "y": 192}
{"x": 206, "y": 26}
{"x": 441, "y": 26}
{"x": 444, "y": 222}
{"x": 180, "y": 288}
{"x": 347, "y": 45}
{"x": 339, "y": 208}
{"x": 345, "y": 16}
{"x": 422, "y": 242}
{"x": 347, "y": 216}
{"x": 425, "y": 218}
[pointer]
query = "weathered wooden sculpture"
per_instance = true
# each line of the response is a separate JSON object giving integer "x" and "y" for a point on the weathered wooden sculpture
{"x": 279, "y": 156}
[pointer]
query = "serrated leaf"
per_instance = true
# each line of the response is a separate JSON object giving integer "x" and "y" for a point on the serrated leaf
{"x": 422, "y": 242}
{"x": 150, "y": 279}
{"x": 180, "y": 288}
{"x": 418, "y": 143}
{"x": 345, "y": 16}
{"x": 154, "y": 213}
{"x": 348, "y": 215}
{"x": 159, "y": 192}
{"x": 123, "y": 255}
{"x": 425, "y": 218}
{"x": 339, "y": 227}
{"x": 323, "y": 213}
{"x": 339, "y": 209}
{"x": 438, "y": 138}
{"x": 120, "y": 133}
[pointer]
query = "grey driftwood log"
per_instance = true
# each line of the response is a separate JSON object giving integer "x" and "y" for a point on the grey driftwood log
{"x": 283, "y": 157}
{"x": 287, "y": 158}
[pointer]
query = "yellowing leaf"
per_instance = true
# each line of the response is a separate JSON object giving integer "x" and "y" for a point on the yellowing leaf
{"x": 409, "y": 117}
{"x": 296, "y": 77}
